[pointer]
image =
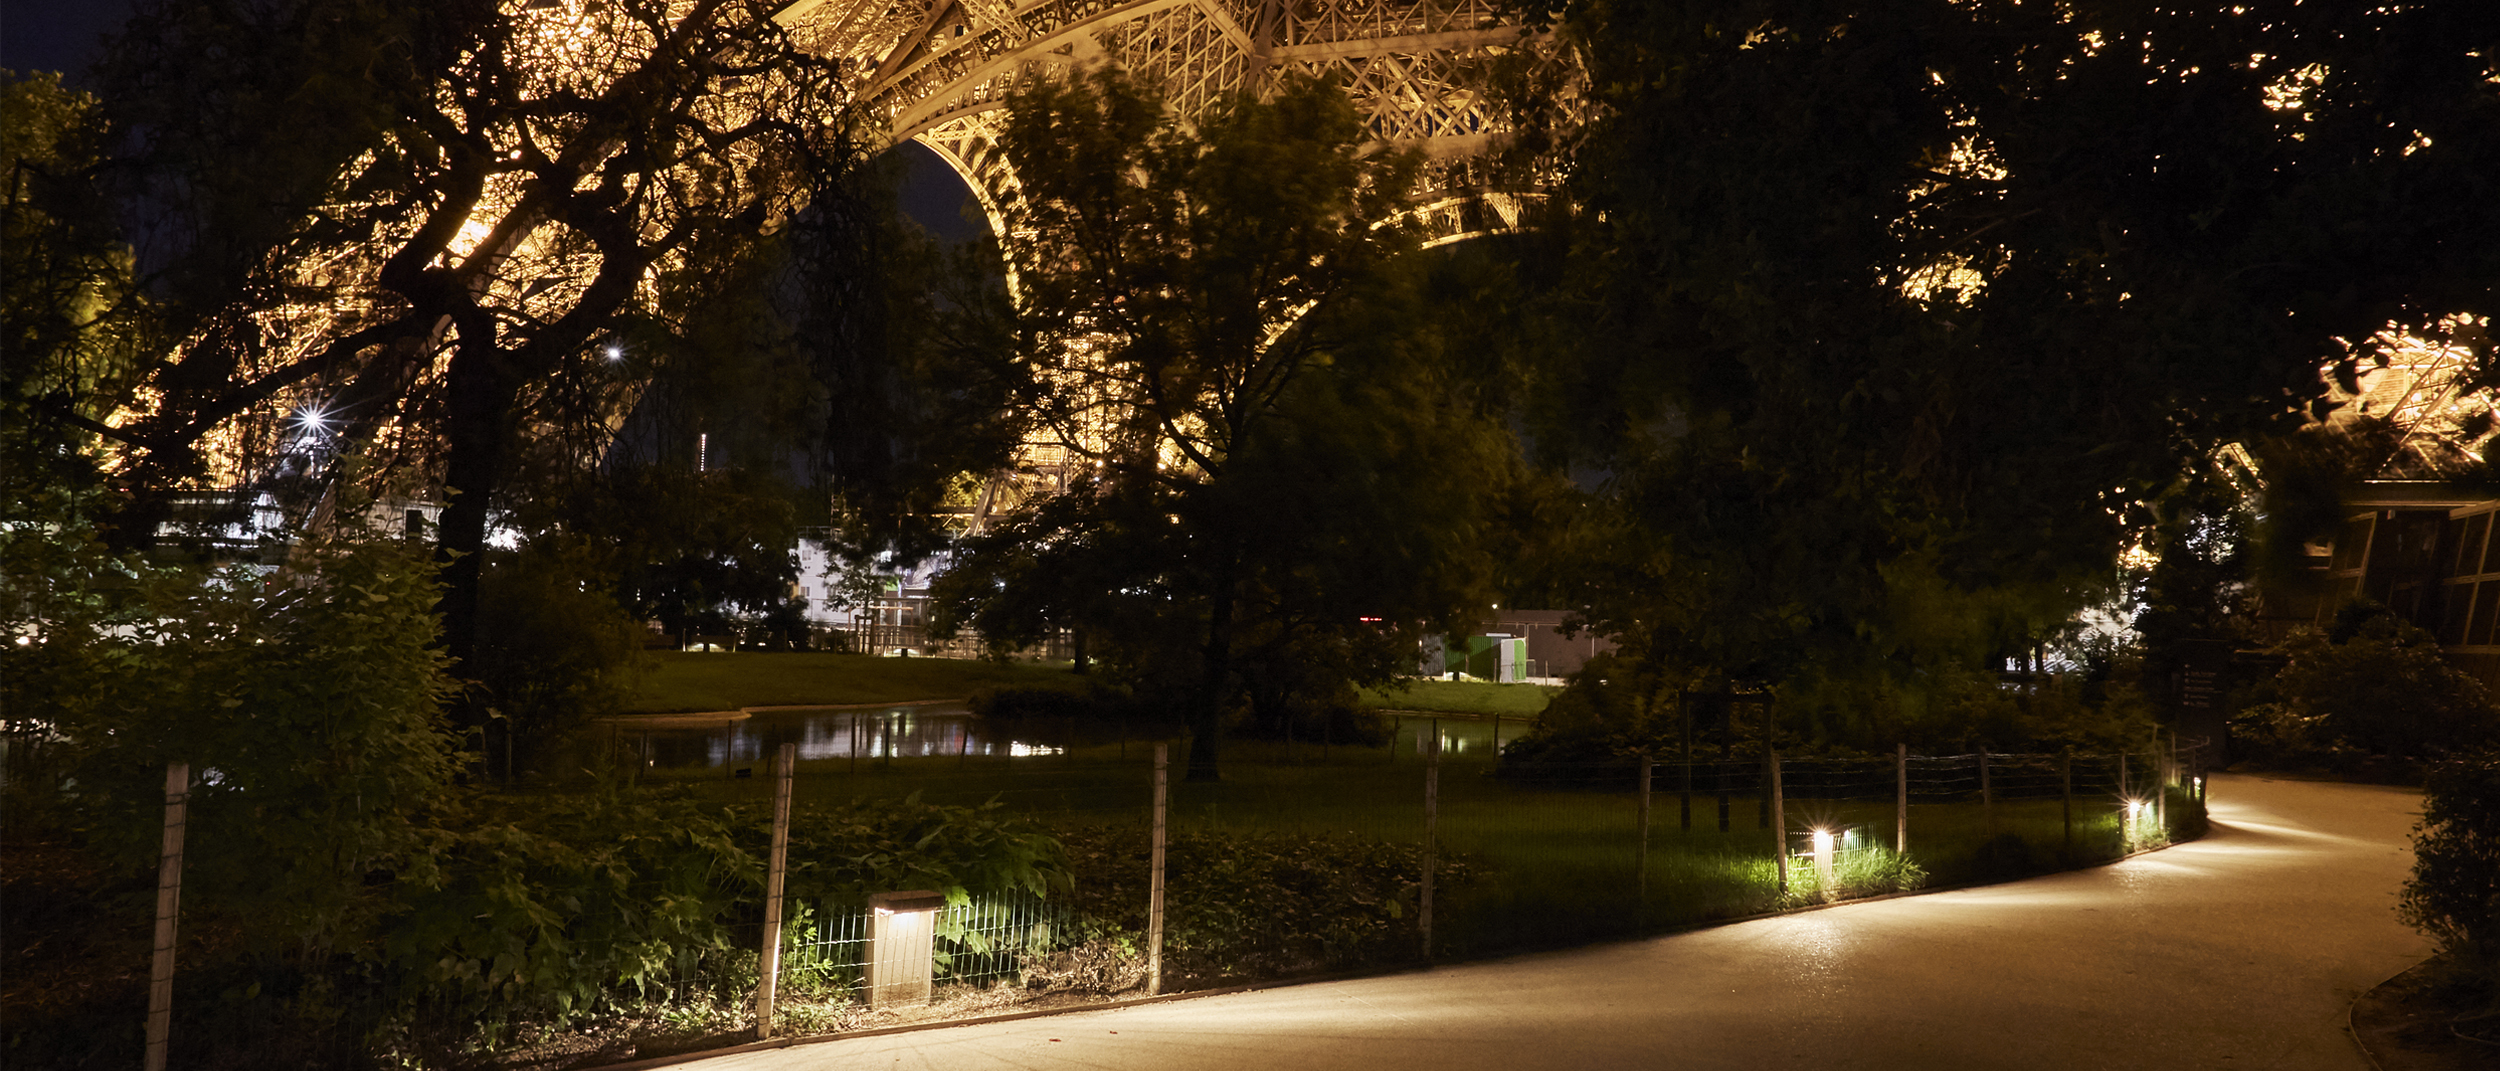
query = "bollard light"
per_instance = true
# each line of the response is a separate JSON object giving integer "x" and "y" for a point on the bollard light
{"x": 1823, "y": 860}
{"x": 902, "y": 936}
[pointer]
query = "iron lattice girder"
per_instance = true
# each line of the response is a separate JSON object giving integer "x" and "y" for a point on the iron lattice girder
{"x": 940, "y": 70}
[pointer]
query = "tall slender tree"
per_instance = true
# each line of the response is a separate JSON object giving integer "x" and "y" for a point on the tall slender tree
{"x": 1215, "y": 322}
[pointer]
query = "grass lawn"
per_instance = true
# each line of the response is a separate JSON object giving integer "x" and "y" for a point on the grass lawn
{"x": 686, "y": 681}
{"x": 1465, "y": 697}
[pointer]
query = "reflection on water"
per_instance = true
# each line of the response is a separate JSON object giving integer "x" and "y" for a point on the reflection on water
{"x": 893, "y": 732}
{"x": 948, "y": 730}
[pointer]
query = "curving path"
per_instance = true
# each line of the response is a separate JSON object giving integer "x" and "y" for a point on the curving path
{"x": 2239, "y": 951}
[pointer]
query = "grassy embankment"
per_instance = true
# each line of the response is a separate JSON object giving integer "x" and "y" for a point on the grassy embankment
{"x": 1481, "y": 698}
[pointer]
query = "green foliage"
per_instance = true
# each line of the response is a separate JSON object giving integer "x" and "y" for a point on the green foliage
{"x": 544, "y": 908}
{"x": 73, "y": 326}
{"x": 1262, "y": 904}
{"x": 1105, "y": 963}
{"x": 2454, "y": 894}
{"x": 554, "y": 649}
{"x": 707, "y": 553}
{"x": 851, "y": 851}
{"x": 305, "y": 706}
{"x": 1878, "y": 308}
{"x": 541, "y": 907}
{"x": 1613, "y": 708}
{"x": 2383, "y": 689}
{"x": 1288, "y": 469}
{"x": 1617, "y": 707}
{"x": 1869, "y": 871}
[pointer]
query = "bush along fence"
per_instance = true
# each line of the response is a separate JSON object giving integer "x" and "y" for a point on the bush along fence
{"x": 907, "y": 887}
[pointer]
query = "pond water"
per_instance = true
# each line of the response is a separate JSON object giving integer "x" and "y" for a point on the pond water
{"x": 889, "y": 732}
{"x": 946, "y": 729}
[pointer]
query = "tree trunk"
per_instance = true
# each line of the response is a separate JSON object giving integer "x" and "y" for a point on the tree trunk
{"x": 1206, "y": 713}
{"x": 482, "y": 393}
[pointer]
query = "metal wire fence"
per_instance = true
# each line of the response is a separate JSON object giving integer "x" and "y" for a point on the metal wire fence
{"x": 1313, "y": 855}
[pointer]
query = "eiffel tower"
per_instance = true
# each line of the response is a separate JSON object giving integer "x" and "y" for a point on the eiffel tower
{"x": 939, "y": 71}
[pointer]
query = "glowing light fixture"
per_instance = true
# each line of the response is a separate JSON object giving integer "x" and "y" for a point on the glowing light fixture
{"x": 902, "y": 931}
{"x": 1823, "y": 860}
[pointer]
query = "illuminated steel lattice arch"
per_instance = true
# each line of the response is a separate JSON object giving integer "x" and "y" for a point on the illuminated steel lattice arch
{"x": 940, "y": 70}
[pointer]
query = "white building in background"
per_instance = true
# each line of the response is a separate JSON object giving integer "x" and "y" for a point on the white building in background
{"x": 891, "y": 620}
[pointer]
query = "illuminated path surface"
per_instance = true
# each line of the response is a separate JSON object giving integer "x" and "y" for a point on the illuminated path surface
{"x": 2242, "y": 950}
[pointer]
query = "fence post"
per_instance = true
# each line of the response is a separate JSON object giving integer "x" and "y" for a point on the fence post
{"x": 783, "y": 767}
{"x": 1685, "y": 700}
{"x": 1901, "y": 810}
{"x": 1640, "y": 864}
{"x": 2169, "y": 777}
{"x": 1432, "y": 828}
{"x": 1987, "y": 794}
{"x": 2161, "y": 799}
{"x": 2066, "y": 786}
{"x": 1727, "y": 759}
{"x": 1779, "y": 820}
{"x": 168, "y": 912}
{"x": 1154, "y": 887}
{"x": 1762, "y": 807}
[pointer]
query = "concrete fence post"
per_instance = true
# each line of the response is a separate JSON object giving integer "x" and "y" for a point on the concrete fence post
{"x": 1779, "y": 822}
{"x": 1432, "y": 830}
{"x": 1901, "y": 806}
{"x": 784, "y": 767}
{"x": 1684, "y": 726}
{"x": 168, "y": 913}
{"x": 1640, "y": 859}
{"x": 1154, "y": 886}
{"x": 2066, "y": 787}
{"x": 1987, "y": 794}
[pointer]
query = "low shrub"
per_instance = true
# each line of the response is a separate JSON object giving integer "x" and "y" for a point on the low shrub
{"x": 1108, "y": 961}
{"x": 1244, "y": 905}
{"x": 2375, "y": 686}
{"x": 2454, "y": 894}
